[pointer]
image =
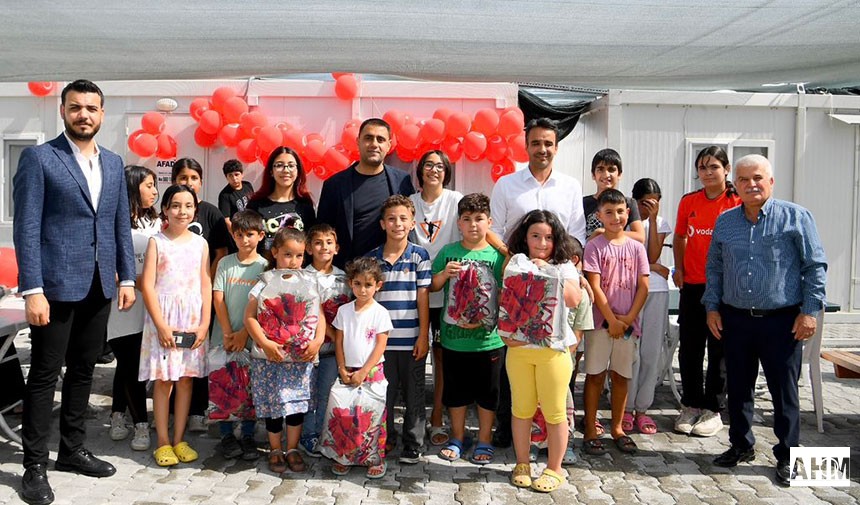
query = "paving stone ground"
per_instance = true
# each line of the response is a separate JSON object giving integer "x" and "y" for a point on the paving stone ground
{"x": 669, "y": 468}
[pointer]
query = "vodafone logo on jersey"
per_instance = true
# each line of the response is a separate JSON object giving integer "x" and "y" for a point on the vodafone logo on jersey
{"x": 699, "y": 231}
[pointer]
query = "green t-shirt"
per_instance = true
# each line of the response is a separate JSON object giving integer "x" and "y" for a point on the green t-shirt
{"x": 235, "y": 280}
{"x": 479, "y": 339}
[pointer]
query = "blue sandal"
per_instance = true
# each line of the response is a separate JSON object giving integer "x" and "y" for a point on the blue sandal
{"x": 455, "y": 446}
{"x": 482, "y": 449}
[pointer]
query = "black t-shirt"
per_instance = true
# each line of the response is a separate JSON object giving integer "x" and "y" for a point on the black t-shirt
{"x": 589, "y": 207}
{"x": 368, "y": 194}
{"x": 210, "y": 224}
{"x": 298, "y": 214}
{"x": 231, "y": 201}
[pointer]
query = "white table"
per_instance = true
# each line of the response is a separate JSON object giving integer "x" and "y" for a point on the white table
{"x": 11, "y": 322}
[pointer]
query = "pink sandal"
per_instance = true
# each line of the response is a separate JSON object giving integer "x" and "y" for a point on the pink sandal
{"x": 627, "y": 422}
{"x": 645, "y": 425}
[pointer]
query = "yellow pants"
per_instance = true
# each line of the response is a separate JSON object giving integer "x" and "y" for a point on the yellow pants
{"x": 539, "y": 375}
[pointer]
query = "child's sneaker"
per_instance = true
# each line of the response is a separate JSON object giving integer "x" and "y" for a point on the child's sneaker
{"x": 708, "y": 425}
{"x": 249, "y": 449}
{"x": 197, "y": 423}
{"x": 410, "y": 456}
{"x": 684, "y": 423}
{"x": 140, "y": 442}
{"x": 118, "y": 428}
{"x": 229, "y": 447}
{"x": 310, "y": 447}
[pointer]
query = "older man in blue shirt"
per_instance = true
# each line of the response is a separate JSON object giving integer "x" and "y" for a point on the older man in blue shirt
{"x": 765, "y": 284}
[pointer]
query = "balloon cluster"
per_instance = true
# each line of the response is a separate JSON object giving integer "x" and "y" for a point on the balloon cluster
{"x": 151, "y": 139}
{"x": 41, "y": 88}
{"x": 497, "y": 137}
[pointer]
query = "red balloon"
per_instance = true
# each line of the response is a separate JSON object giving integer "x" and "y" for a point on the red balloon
{"x": 458, "y": 124}
{"x": 152, "y": 122}
{"x": 246, "y": 150}
{"x": 409, "y": 137}
{"x": 269, "y": 137}
{"x": 511, "y": 122}
{"x": 8, "y": 267}
{"x": 349, "y": 138}
{"x": 517, "y": 146}
{"x": 486, "y": 122}
{"x": 40, "y": 88}
{"x": 220, "y": 97}
{"x": 497, "y": 148}
{"x": 204, "y": 139}
{"x": 352, "y": 123}
{"x": 321, "y": 172}
{"x": 474, "y": 145}
{"x": 346, "y": 87}
{"x": 406, "y": 155}
{"x": 210, "y": 122}
{"x": 166, "y": 147}
{"x": 314, "y": 136}
{"x": 396, "y": 119}
{"x": 198, "y": 107}
{"x": 284, "y": 127}
{"x": 295, "y": 140}
{"x": 233, "y": 109}
{"x": 229, "y": 135}
{"x": 433, "y": 131}
{"x": 334, "y": 161}
{"x": 453, "y": 147}
{"x": 315, "y": 150}
{"x": 252, "y": 122}
{"x": 442, "y": 114}
{"x": 336, "y": 75}
{"x": 145, "y": 145}
{"x": 133, "y": 137}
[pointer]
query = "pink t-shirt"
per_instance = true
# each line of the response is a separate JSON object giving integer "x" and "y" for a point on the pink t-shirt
{"x": 620, "y": 267}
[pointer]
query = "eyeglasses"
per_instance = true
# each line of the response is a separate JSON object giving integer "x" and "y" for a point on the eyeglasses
{"x": 280, "y": 167}
{"x": 438, "y": 167}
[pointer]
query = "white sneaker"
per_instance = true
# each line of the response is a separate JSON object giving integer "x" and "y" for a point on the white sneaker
{"x": 709, "y": 424}
{"x": 140, "y": 442}
{"x": 118, "y": 428}
{"x": 197, "y": 423}
{"x": 684, "y": 423}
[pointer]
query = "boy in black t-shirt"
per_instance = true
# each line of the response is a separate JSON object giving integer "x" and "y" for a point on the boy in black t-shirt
{"x": 235, "y": 195}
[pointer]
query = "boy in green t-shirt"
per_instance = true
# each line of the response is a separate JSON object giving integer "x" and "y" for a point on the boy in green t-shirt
{"x": 235, "y": 276}
{"x": 471, "y": 273}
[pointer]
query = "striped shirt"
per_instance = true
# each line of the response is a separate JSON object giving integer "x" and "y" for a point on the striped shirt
{"x": 399, "y": 293}
{"x": 774, "y": 263}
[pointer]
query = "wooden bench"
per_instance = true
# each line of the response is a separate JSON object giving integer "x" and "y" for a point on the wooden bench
{"x": 846, "y": 364}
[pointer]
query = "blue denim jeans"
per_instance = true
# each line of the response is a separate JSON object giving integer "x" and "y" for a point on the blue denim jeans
{"x": 322, "y": 380}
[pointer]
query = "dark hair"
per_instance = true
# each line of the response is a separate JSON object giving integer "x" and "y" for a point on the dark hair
{"x": 374, "y": 121}
{"x": 577, "y": 248}
{"x": 174, "y": 190}
{"x": 544, "y": 124}
{"x": 719, "y": 154}
{"x": 267, "y": 186}
{"x": 562, "y": 250}
{"x": 321, "y": 229}
{"x": 281, "y": 237}
{"x": 183, "y": 163}
{"x": 364, "y": 265}
{"x": 396, "y": 201}
{"x": 646, "y": 186}
{"x": 612, "y": 197}
{"x": 82, "y": 86}
{"x": 134, "y": 177}
{"x": 247, "y": 220}
{"x": 231, "y": 166}
{"x": 419, "y": 169}
{"x": 474, "y": 202}
{"x": 607, "y": 156}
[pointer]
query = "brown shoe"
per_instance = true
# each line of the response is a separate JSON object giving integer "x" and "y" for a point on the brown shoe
{"x": 277, "y": 464}
{"x": 295, "y": 461}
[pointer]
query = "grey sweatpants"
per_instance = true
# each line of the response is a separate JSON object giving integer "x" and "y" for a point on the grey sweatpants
{"x": 654, "y": 320}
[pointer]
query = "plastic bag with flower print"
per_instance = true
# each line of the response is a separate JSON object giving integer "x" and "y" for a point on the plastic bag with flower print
{"x": 531, "y": 304}
{"x": 354, "y": 430}
{"x": 473, "y": 296}
{"x": 334, "y": 291}
{"x": 229, "y": 385}
{"x": 288, "y": 310}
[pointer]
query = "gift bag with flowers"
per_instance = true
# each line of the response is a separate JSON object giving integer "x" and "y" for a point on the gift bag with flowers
{"x": 288, "y": 309}
{"x": 472, "y": 296}
{"x": 229, "y": 385}
{"x": 334, "y": 291}
{"x": 531, "y": 304}
{"x": 354, "y": 428}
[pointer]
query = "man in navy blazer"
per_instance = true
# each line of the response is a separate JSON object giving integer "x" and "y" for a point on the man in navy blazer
{"x": 350, "y": 200}
{"x": 73, "y": 244}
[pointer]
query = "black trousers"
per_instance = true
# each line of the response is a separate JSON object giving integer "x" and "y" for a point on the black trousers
{"x": 748, "y": 341}
{"x": 74, "y": 337}
{"x": 503, "y": 412}
{"x": 698, "y": 391}
{"x": 128, "y": 392}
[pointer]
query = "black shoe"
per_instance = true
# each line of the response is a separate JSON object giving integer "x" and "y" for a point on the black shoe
{"x": 783, "y": 473}
{"x": 410, "y": 456}
{"x": 83, "y": 462}
{"x": 106, "y": 358}
{"x": 35, "y": 489}
{"x": 249, "y": 449}
{"x": 502, "y": 438}
{"x": 229, "y": 447}
{"x": 734, "y": 456}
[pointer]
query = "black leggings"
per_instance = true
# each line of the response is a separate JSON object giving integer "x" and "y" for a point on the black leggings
{"x": 276, "y": 424}
{"x": 128, "y": 392}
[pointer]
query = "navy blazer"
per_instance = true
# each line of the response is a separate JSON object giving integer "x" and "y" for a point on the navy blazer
{"x": 336, "y": 203}
{"x": 57, "y": 233}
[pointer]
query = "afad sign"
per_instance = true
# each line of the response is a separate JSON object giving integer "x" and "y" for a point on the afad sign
{"x": 820, "y": 466}
{"x": 163, "y": 169}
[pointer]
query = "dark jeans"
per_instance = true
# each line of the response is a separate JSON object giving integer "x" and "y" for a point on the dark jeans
{"x": 748, "y": 341}
{"x": 503, "y": 413}
{"x": 701, "y": 392}
{"x": 128, "y": 392}
{"x": 74, "y": 337}
{"x": 406, "y": 376}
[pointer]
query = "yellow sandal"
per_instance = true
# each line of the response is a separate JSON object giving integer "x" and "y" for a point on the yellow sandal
{"x": 164, "y": 456}
{"x": 548, "y": 481}
{"x": 521, "y": 476}
{"x": 184, "y": 452}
